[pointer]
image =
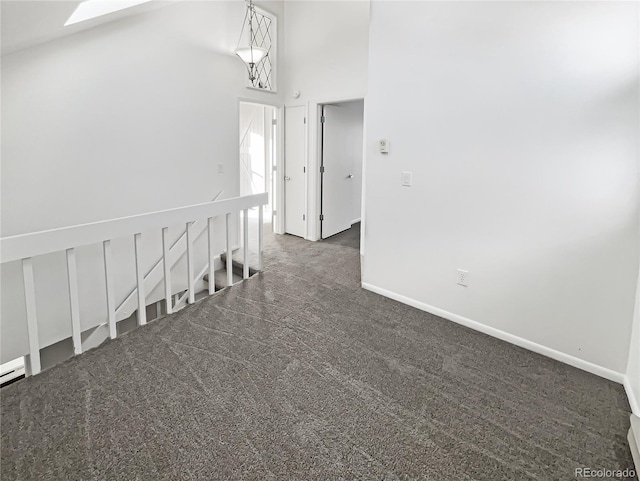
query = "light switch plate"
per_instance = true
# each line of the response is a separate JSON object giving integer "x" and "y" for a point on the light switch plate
{"x": 384, "y": 145}
{"x": 406, "y": 179}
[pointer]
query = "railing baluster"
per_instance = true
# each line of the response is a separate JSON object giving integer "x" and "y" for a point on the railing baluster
{"x": 166, "y": 264}
{"x": 32, "y": 361}
{"x": 142, "y": 308}
{"x": 16, "y": 248}
{"x": 190, "y": 273}
{"x": 245, "y": 241}
{"x": 260, "y": 236}
{"x": 229, "y": 253}
{"x": 108, "y": 280}
{"x": 212, "y": 283}
{"x": 74, "y": 301}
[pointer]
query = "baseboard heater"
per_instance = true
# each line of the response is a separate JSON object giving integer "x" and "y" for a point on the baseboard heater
{"x": 11, "y": 371}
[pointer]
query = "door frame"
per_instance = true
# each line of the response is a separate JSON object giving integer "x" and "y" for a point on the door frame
{"x": 278, "y": 228}
{"x": 315, "y": 169}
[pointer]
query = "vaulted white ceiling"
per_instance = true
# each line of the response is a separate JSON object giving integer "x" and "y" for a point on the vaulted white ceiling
{"x": 25, "y": 23}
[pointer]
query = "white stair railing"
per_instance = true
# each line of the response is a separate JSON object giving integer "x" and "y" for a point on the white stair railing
{"x": 26, "y": 246}
{"x": 155, "y": 276}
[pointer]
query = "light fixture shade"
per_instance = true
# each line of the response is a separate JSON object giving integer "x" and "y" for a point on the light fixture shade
{"x": 251, "y": 55}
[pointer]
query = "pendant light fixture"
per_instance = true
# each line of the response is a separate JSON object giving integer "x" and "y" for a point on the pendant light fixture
{"x": 250, "y": 54}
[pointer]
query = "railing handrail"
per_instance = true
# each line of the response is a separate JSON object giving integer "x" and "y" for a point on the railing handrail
{"x": 32, "y": 244}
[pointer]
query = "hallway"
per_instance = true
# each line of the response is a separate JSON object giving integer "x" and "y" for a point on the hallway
{"x": 300, "y": 374}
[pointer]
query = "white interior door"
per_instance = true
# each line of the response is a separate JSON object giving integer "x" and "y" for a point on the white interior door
{"x": 294, "y": 170}
{"x": 341, "y": 166}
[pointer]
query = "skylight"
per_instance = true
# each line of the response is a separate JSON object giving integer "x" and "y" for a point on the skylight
{"x": 96, "y": 8}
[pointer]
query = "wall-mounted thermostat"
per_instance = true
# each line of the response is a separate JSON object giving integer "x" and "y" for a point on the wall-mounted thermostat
{"x": 384, "y": 145}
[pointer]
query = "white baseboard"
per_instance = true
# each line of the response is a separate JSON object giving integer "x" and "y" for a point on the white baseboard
{"x": 634, "y": 402}
{"x": 505, "y": 336}
{"x": 634, "y": 441}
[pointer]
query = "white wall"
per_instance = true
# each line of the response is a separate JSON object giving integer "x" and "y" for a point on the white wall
{"x": 128, "y": 117}
{"x": 519, "y": 121}
{"x": 632, "y": 382}
{"x": 118, "y": 119}
{"x": 326, "y": 46}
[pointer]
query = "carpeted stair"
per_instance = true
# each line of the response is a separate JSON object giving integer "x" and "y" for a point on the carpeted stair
{"x": 237, "y": 269}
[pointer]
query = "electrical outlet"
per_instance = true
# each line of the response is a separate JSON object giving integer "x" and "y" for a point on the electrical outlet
{"x": 462, "y": 277}
{"x": 220, "y": 167}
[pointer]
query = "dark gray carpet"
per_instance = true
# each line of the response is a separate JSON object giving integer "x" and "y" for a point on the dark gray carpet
{"x": 347, "y": 238}
{"x": 298, "y": 374}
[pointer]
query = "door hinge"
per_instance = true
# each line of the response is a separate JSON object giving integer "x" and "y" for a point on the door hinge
{"x": 274, "y": 168}
{"x": 305, "y": 120}
{"x": 321, "y": 216}
{"x": 274, "y": 121}
{"x": 322, "y": 169}
{"x": 322, "y": 119}
{"x": 304, "y": 217}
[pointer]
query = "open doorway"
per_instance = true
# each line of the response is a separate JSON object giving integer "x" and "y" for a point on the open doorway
{"x": 258, "y": 149}
{"x": 341, "y": 169}
{"x": 258, "y": 140}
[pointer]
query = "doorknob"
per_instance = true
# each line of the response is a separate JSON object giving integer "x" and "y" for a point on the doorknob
{"x": 350, "y": 176}
{"x": 286, "y": 177}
